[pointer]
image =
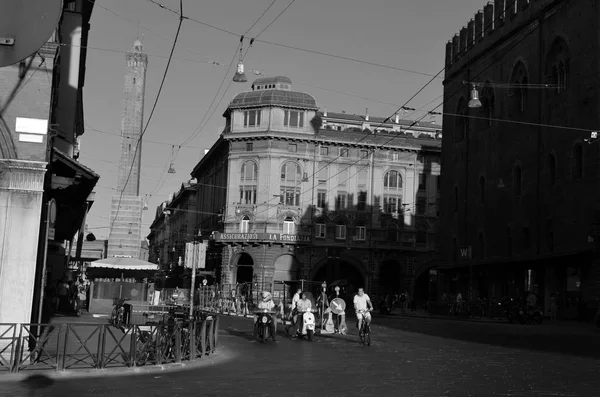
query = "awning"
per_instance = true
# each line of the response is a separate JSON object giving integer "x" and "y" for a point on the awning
{"x": 123, "y": 264}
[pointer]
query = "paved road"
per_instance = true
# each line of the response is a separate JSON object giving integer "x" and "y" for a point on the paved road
{"x": 404, "y": 360}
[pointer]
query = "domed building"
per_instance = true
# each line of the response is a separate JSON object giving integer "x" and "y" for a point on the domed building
{"x": 289, "y": 193}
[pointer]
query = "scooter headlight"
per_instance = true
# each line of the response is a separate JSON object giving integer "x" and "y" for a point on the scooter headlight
{"x": 264, "y": 319}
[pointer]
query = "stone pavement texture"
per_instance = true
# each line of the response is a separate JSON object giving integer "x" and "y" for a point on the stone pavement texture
{"x": 408, "y": 357}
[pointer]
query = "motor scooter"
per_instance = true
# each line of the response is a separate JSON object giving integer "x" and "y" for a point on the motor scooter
{"x": 264, "y": 326}
{"x": 307, "y": 327}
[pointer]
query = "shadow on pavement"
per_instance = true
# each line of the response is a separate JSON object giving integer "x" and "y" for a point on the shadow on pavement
{"x": 36, "y": 382}
{"x": 569, "y": 339}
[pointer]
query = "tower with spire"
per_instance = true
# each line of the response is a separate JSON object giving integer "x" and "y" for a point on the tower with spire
{"x": 126, "y": 205}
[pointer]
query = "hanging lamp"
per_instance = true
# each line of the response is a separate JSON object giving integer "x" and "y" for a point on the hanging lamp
{"x": 474, "y": 102}
{"x": 240, "y": 76}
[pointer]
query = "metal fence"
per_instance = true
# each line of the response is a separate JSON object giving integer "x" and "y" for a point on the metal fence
{"x": 98, "y": 346}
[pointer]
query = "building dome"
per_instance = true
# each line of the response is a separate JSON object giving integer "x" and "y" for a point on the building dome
{"x": 273, "y": 97}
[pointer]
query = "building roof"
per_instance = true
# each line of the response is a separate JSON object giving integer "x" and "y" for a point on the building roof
{"x": 377, "y": 120}
{"x": 383, "y": 140}
{"x": 273, "y": 98}
{"x": 272, "y": 80}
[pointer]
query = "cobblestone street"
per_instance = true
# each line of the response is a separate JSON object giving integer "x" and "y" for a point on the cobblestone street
{"x": 406, "y": 360}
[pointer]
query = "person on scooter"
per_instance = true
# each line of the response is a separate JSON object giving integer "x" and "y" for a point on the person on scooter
{"x": 362, "y": 302}
{"x": 267, "y": 304}
{"x": 301, "y": 307}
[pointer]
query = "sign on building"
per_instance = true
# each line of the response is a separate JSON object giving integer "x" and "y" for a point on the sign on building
{"x": 465, "y": 252}
{"x": 195, "y": 252}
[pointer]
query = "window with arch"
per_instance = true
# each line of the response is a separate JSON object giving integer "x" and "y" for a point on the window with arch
{"x": 578, "y": 161}
{"x": 248, "y": 182}
{"x": 421, "y": 234}
{"x": 392, "y": 192}
{"x": 340, "y": 230}
{"x": 517, "y": 181}
{"x": 519, "y": 82}
{"x": 557, "y": 65}
{"x": 551, "y": 169}
{"x": 393, "y": 232}
{"x": 289, "y": 227}
{"x": 291, "y": 177}
{"x": 361, "y": 230}
{"x": 321, "y": 228}
{"x": 488, "y": 105}
{"x": 482, "y": 189}
{"x": 549, "y": 235}
{"x": 245, "y": 224}
{"x": 460, "y": 120}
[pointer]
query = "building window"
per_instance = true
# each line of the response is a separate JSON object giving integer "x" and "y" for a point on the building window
{"x": 391, "y": 204}
{"x": 245, "y": 225}
{"x": 290, "y": 196}
{"x": 364, "y": 154}
{"x": 323, "y": 174}
{"x": 422, "y": 181}
{"x": 361, "y": 233}
{"x": 392, "y": 181}
{"x": 460, "y": 121}
{"x": 519, "y": 82}
{"x": 249, "y": 147}
{"x": 550, "y": 236}
{"x": 322, "y": 198}
{"x": 292, "y": 148}
{"x": 324, "y": 151}
{"x": 340, "y": 231}
{"x": 482, "y": 190}
{"x": 392, "y": 233}
{"x": 343, "y": 152}
{"x": 248, "y": 182}
{"x": 320, "y": 230}
{"x": 421, "y": 205}
{"x": 343, "y": 174}
{"x": 558, "y": 65}
{"x": 526, "y": 239}
{"x": 288, "y": 226}
{"x": 252, "y": 118}
{"x": 578, "y": 162}
{"x": 421, "y": 235}
{"x": 362, "y": 201}
{"x": 293, "y": 118}
{"x": 341, "y": 201}
{"x": 395, "y": 156}
{"x": 517, "y": 181}
{"x": 551, "y": 170}
{"x": 488, "y": 106}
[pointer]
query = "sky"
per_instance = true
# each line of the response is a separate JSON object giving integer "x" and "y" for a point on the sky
{"x": 408, "y": 35}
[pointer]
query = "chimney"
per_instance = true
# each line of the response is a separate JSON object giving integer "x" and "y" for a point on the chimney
{"x": 396, "y": 118}
{"x": 367, "y": 114}
{"x": 325, "y": 111}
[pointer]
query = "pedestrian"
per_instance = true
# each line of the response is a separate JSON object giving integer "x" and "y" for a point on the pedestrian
{"x": 63, "y": 296}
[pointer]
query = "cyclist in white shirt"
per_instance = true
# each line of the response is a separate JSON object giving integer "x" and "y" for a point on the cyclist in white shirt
{"x": 362, "y": 302}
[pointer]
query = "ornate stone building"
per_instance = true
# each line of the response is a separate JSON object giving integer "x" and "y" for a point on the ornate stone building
{"x": 288, "y": 192}
{"x": 520, "y": 175}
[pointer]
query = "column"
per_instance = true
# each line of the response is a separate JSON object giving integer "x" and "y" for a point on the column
{"x": 21, "y": 190}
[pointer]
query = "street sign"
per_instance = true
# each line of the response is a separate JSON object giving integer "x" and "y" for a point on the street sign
{"x": 337, "y": 306}
{"x": 465, "y": 252}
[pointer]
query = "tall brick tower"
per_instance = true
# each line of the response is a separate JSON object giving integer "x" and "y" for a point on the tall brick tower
{"x": 126, "y": 206}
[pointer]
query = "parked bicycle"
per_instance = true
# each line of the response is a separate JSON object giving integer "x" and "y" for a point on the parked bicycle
{"x": 117, "y": 317}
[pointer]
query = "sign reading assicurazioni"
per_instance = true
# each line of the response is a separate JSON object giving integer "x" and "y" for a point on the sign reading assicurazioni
{"x": 274, "y": 237}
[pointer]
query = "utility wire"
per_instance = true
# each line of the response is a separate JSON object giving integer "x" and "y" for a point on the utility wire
{"x": 139, "y": 141}
{"x": 273, "y": 21}
{"x": 260, "y": 17}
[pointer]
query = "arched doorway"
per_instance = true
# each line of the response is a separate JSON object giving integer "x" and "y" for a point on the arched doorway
{"x": 341, "y": 270}
{"x": 391, "y": 277}
{"x": 286, "y": 268}
{"x": 245, "y": 269}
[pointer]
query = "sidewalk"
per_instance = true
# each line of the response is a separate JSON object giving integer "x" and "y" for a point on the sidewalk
{"x": 80, "y": 352}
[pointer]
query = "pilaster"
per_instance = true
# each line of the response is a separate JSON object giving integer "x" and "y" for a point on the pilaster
{"x": 21, "y": 190}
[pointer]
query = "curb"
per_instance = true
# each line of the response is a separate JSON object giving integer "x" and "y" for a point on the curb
{"x": 219, "y": 357}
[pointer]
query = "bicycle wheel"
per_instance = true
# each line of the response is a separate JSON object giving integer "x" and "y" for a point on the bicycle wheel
{"x": 361, "y": 334}
{"x": 368, "y": 335}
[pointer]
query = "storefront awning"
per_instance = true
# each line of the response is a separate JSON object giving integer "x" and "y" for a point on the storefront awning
{"x": 123, "y": 264}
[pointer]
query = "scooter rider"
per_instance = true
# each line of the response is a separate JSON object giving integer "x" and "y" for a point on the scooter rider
{"x": 362, "y": 302}
{"x": 267, "y": 304}
{"x": 301, "y": 307}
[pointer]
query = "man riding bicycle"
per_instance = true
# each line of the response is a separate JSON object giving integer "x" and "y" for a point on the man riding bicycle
{"x": 362, "y": 305}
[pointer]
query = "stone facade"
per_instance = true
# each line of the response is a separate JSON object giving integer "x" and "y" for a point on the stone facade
{"x": 127, "y": 205}
{"x": 289, "y": 192}
{"x": 519, "y": 180}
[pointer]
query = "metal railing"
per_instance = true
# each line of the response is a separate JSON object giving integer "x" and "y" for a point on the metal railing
{"x": 97, "y": 346}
